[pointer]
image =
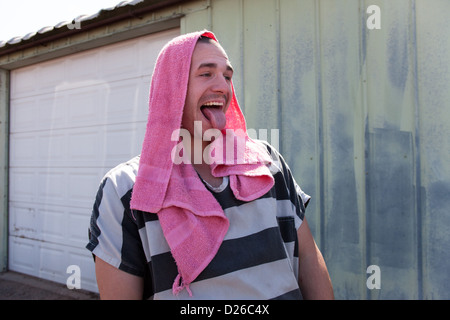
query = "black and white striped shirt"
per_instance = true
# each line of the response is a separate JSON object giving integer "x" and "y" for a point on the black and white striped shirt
{"x": 258, "y": 258}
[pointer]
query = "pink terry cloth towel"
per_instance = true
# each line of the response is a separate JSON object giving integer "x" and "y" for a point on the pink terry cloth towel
{"x": 194, "y": 230}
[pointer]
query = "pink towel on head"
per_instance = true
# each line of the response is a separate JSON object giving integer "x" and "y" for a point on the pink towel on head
{"x": 194, "y": 230}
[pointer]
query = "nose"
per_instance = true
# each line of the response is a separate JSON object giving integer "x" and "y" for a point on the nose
{"x": 221, "y": 85}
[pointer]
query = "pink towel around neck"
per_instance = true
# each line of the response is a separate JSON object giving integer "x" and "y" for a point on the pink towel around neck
{"x": 194, "y": 230}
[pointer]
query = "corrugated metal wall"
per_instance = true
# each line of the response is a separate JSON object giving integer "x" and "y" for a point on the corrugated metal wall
{"x": 364, "y": 124}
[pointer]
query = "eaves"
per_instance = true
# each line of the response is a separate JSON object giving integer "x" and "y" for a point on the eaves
{"x": 126, "y": 20}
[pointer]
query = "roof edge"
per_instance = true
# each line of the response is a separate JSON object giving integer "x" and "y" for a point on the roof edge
{"x": 82, "y": 24}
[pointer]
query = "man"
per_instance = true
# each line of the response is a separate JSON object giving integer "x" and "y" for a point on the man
{"x": 222, "y": 223}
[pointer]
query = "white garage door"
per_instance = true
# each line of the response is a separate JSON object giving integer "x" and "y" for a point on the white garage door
{"x": 72, "y": 119}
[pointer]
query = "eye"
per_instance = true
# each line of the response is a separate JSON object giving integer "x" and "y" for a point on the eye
{"x": 206, "y": 74}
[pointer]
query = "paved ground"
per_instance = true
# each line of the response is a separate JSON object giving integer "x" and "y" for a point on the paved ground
{"x": 17, "y": 286}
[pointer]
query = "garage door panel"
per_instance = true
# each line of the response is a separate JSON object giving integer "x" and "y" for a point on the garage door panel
{"x": 61, "y": 225}
{"x": 23, "y": 255}
{"x": 84, "y": 144}
{"x": 127, "y": 101}
{"x": 38, "y": 79}
{"x": 82, "y": 185}
{"x": 23, "y": 115}
{"x": 24, "y": 148}
{"x": 82, "y": 67}
{"x": 123, "y": 57}
{"x": 85, "y": 107}
{"x": 59, "y": 186}
{"x": 55, "y": 73}
{"x": 24, "y": 222}
{"x": 72, "y": 120}
{"x": 101, "y": 146}
{"x": 50, "y": 185}
{"x": 53, "y": 224}
{"x": 23, "y": 82}
{"x": 77, "y": 220}
{"x": 55, "y": 185}
{"x": 148, "y": 50}
{"x": 78, "y": 257}
{"x": 51, "y": 114}
{"x": 37, "y": 149}
{"x": 122, "y": 141}
{"x": 21, "y": 184}
{"x": 52, "y": 146}
{"x": 38, "y": 113}
{"x": 50, "y": 261}
{"x": 98, "y": 104}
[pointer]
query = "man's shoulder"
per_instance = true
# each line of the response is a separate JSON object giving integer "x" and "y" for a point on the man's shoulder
{"x": 123, "y": 175}
{"x": 280, "y": 165}
{"x": 278, "y": 162}
{"x": 273, "y": 152}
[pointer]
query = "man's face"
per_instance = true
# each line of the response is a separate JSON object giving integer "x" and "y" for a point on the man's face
{"x": 209, "y": 88}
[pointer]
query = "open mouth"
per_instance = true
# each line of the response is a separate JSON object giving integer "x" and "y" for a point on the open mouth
{"x": 213, "y": 112}
{"x": 211, "y": 105}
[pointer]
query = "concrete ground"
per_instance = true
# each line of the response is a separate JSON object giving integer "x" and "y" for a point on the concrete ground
{"x": 18, "y": 286}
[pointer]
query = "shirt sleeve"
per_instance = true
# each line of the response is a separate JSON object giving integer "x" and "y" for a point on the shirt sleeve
{"x": 113, "y": 234}
{"x": 305, "y": 197}
{"x": 298, "y": 197}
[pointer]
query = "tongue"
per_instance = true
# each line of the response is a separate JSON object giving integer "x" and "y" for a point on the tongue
{"x": 216, "y": 117}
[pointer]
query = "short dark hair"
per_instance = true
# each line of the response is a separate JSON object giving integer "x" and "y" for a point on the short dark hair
{"x": 205, "y": 39}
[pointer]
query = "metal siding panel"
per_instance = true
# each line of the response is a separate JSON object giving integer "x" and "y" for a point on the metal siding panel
{"x": 227, "y": 21}
{"x": 433, "y": 45}
{"x": 354, "y": 106}
{"x": 299, "y": 95}
{"x": 392, "y": 215}
{"x": 364, "y": 127}
{"x": 343, "y": 223}
{"x": 198, "y": 19}
{"x": 261, "y": 64}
